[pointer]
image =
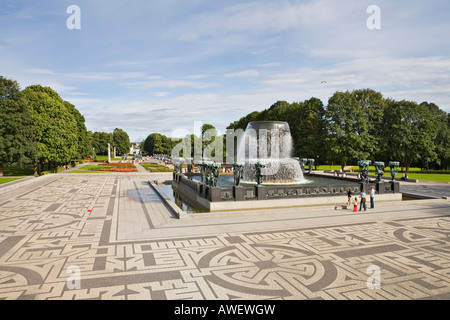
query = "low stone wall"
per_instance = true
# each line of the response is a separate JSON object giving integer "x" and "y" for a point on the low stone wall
{"x": 257, "y": 197}
{"x": 22, "y": 183}
{"x": 179, "y": 213}
{"x": 355, "y": 175}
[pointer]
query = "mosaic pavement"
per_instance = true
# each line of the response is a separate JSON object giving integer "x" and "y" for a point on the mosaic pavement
{"x": 110, "y": 237}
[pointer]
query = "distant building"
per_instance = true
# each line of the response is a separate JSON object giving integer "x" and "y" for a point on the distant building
{"x": 135, "y": 148}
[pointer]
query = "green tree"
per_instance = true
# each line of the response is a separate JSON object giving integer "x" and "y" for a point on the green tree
{"x": 442, "y": 140}
{"x": 373, "y": 105}
{"x": 121, "y": 141}
{"x": 209, "y": 135}
{"x": 306, "y": 120}
{"x": 348, "y": 129}
{"x": 54, "y": 127}
{"x": 244, "y": 121}
{"x": 154, "y": 144}
{"x": 100, "y": 142}
{"x": 157, "y": 143}
{"x": 84, "y": 143}
{"x": 410, "y": 133}
{"x": 16, "y": 133}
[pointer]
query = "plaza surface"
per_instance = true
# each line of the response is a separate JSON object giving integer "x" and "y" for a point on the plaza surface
{"x": 120, "y": 240}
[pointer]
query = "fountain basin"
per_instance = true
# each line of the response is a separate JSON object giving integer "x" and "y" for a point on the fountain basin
{"x": 318, "y": 191}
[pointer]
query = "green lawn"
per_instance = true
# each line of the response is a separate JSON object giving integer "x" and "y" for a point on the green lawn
{"x": 85, "y": 168}
{"x": 155, "y": 167}
{"x": 105, "y": 158}
{"x": 94, "y": 167}
{"x": 432, "y": 177}
{"x": 14, "y": 170}
{"x": 89, "y": 166}
{"x": 6, "y": 179}
{"x": 414, "y": 173}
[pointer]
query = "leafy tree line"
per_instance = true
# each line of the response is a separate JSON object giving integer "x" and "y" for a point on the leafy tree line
{"x": 38, "y": 127}
{"x": 157, "y": 143}
{"x": 118, "y": 139}
{"x": 363, "y": 124}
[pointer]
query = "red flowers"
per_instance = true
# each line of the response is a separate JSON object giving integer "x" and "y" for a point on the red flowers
{"x": 115, "y": 167}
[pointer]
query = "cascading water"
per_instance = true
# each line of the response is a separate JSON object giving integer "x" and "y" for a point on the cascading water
{"x": 269, "y": 143}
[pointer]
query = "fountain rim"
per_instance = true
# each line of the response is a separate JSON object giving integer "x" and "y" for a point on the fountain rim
{"x": 265, "y": 125}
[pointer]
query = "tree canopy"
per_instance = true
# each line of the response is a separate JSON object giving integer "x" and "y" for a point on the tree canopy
{"x": 121, "y": 141}
{"x": 16, "y": 133}
{"x": 360, "y": 125}
{"x": 54, "y": 126}
{"x": 38, "y": 126}
{"x": 157, "y": 143}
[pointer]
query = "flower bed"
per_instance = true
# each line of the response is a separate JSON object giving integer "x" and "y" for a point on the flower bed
{"x": 115, "y": 169}
{"x": 153, "y": 167}
{"x": 118, "y": 164}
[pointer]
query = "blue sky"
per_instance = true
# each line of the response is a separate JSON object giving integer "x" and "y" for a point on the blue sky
{"x": 159, "y": 66}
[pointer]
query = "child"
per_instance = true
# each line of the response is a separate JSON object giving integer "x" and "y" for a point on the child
{"x": 355, "y": 205}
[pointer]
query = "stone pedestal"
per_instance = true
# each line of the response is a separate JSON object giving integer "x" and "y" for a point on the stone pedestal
{"x": 238, "y": 193}
{"x": 214, "y": 194}
{"x": 261, "y": 193}
{"x": 395, "y": 187}
{"x": 380, "y": 187}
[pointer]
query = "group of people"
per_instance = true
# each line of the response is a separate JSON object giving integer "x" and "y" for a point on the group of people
{"x": 363, "y": 197}
{"x": 339, "y": 173}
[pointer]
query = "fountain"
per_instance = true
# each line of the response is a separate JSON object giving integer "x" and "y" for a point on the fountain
{"x": 265, "y": 175}
{"x": 266, "y": 151}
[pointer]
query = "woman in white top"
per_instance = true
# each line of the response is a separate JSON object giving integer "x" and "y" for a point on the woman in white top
{"x": 372, "y": 197}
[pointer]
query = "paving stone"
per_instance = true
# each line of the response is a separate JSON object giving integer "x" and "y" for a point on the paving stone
{"x": 112, "y": 234}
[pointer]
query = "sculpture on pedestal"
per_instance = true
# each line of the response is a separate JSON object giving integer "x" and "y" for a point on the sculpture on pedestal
{"x": 203, "y": 171}
{"x": 394, "y": 165}
{"x": 302, "y": 162}
{"x": 259, "y": 166}
{"x": 189, "y": 164}
{"x": 310, "y": 163}
{"x": 214, "y": 169}
{"x": 364, "y": 170}
{"x": 379, "y": 169}
{"x": 178, "y": 165}
{"x": 238, "y": 171}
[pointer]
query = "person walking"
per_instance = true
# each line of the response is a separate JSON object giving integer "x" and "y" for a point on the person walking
{"x": 363, "y": 200}
{"x": 372, "y": 197}
{"x": 349, "y": 196}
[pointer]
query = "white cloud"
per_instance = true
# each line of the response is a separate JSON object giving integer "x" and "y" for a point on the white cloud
{"x": 242, "y": 74}
{"x": 169, "y": 84}
{"x": 257, "y": 17}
